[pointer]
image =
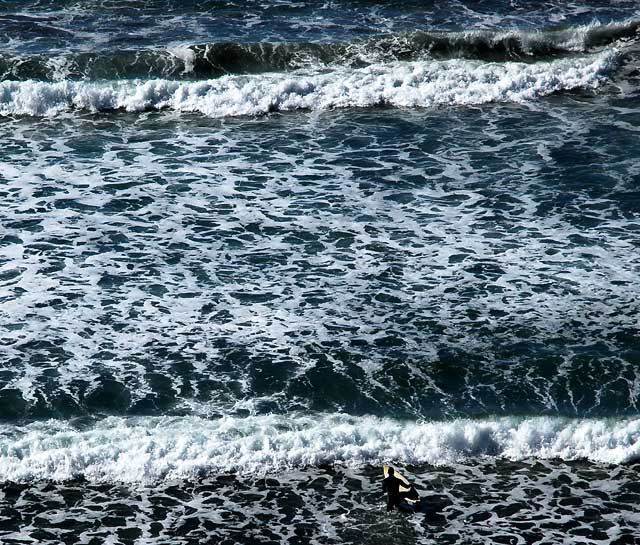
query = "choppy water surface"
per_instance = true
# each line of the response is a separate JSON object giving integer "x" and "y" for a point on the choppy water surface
{"x": 249, "y": 253}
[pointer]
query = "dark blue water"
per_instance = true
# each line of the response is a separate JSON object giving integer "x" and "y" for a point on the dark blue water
{"x": 304, "y": 239}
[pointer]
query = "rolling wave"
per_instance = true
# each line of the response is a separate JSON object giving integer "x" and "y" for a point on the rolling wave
{"x": 149, "y": 449}
{"x": 218, "y": 59}
{"x": 398, "y": 84}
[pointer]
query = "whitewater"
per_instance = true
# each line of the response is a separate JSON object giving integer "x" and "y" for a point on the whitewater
{"x": 410, "y": 84}
{"x": 146, "y": 450}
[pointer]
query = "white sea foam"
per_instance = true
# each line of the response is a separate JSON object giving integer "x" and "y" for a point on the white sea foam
{"x": 401, "y": 84}
{"x": 559, "y": 291}
{"x": 186, "y": 55}
{"x": 147, "y": 449}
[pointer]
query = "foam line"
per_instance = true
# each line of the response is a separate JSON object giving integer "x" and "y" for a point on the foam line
{"x": 400, "y": 84}
{"x": 147, "y": 449}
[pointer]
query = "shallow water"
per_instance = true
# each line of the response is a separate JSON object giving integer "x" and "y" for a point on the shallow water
{"x": 487, "y": 501}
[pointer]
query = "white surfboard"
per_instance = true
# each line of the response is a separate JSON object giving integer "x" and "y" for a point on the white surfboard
{"x": 398, "y": 475}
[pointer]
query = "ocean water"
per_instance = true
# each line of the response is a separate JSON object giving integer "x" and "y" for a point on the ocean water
{"x": 251, "y": 251}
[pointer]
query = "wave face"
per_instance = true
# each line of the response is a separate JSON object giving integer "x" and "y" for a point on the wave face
{"x": 400, "y": 84}
{"x": 218, "y": 59}
{"x": 151, "y": 449}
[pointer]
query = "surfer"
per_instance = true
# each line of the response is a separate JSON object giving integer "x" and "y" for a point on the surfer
{"x": 391, "y": 485}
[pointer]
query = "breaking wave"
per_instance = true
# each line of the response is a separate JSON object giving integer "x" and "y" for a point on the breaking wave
{"x": 218, "y": 59}
{"x": 398, "y": 84}
{"x": 148, "y": 449}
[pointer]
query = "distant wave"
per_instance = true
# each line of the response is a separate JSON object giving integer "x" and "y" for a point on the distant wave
{"x": 217, "y": 59}
{"x": 398, "y": 84}
{"x": 148, "y": 449}
{"x": 527, "y": 45}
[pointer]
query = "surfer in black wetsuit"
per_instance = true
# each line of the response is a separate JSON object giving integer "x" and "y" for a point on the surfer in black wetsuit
{"x": 391, "y": 485}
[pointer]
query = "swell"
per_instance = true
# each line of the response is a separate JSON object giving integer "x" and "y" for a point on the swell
{"x": 153, "y": 449}
{"x": 185, "y": 62}
{"x": 217, "y": 59}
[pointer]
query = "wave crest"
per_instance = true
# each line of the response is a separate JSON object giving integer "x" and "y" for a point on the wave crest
{"x": 218, "y": 59}
{"x": 399, "y": 84}
{"x": 147, "y": 449}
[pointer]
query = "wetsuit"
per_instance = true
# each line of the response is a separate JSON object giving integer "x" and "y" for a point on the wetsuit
{"x": 391, "y": 485}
